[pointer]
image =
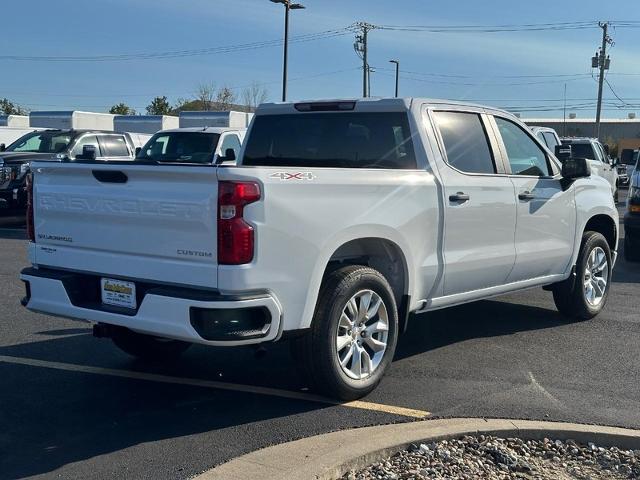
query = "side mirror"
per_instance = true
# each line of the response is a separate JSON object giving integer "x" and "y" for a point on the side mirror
{"x": 573, "y": 168}
{"x": 138, "y": 150}
{"x": 563, "y": 152}
{"x": 3, "y": 147}
{"x": 88, "y": 153}
{"x": 229, "y": 155}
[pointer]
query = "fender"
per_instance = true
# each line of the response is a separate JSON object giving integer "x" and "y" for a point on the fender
{"x": 593, "y": 197}
{"x": 341, "y": 238}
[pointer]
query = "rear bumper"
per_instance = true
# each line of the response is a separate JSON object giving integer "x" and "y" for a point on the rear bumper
{"x": 195, "y": 316}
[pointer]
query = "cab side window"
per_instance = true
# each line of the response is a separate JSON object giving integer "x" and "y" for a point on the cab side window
{"x": 86, "y": 140}
{"x": 525, "y": 156}
{"x": 114, "y": 146}
{"x": 465, "y": 142}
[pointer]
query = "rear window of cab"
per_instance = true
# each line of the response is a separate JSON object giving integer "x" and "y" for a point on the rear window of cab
{"x": 337, "y": 140}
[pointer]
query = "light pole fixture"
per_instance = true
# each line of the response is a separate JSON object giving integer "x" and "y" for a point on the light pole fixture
{"x": 397, "y": 73}
{"x": 287, "y": 6}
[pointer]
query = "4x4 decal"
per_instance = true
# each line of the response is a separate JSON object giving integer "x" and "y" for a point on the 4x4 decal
{"x": 293, "y": 176}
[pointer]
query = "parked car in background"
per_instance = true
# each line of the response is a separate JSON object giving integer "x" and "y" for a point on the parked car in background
{"x": 329, "y": 231}
{"x": 626, "y": 165}
{"x": 56, "y": 145}
{"x": 548, "y": 136}
{"x": 632, "y": 216}
{"x": 8, "y": 135}
{"x": 596, "y": 154}
{"x": 200, "y": 145}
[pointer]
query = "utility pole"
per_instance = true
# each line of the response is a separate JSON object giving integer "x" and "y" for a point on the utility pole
{"x": 602, "y": 62}
{"x": 287, "y": 7}
{"x": 397, "y": 74}
{"x": 362, "y": 50}
{"x": 564, "y": 113}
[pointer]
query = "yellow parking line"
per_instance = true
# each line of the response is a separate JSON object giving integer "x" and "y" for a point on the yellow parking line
{"x": 195, "y": 382}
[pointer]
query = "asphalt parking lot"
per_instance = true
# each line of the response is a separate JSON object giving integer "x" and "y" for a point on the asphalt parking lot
{"x": 72, "y": 406}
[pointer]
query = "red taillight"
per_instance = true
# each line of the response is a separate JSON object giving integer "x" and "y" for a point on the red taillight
{"x": 31, "y": 232}
{"x": 235, "y": 236}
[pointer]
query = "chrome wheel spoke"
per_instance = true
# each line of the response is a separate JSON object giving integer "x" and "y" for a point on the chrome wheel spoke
{"x": 376, "y": 327}
{"x": 356, "y": 362}
{"x": 345, "y": 360}
{"x": 343, "y": 341}
{"x": 365, "y": 301}
{"x": 375, "y": 344}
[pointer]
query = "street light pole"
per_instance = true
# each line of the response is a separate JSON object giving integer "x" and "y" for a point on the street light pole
{"x": 287, "y": 6}
{"x": 397, "y": 74}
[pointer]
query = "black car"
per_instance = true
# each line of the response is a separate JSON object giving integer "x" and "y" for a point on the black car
{"x": 54, "y": 145}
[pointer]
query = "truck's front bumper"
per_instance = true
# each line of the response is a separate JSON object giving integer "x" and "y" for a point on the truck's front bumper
{"x": 171, "y": 312}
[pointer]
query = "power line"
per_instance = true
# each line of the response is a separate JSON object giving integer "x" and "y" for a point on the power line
{"x": 183, "y": 53}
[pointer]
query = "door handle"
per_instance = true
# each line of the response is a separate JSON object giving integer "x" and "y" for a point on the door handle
{"x": 526, "y": 196}
{"x": 459, "y": 197}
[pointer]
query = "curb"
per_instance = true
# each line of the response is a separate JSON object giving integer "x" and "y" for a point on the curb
{"x": 329, "y": 456}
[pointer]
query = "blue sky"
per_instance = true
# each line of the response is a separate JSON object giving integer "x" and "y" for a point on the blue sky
{"x": 481, "y": 62}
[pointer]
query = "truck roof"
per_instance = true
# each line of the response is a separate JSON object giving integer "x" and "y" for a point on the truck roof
{"x": 372, "y": 104}
{"x": 579, "y": 139}
{"x": 203, "y": 129}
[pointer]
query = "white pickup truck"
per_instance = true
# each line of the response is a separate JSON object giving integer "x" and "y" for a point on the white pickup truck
{"x": 339, "y": 220}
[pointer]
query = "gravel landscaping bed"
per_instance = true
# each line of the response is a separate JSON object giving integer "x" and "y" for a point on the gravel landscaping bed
{"x": 489, "y": 457}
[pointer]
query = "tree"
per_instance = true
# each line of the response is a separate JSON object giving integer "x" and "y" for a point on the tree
{"x": 122, "y": 109}
{"x": 254, "y": 95}
{"x": 224, "y": 99}
{"x": 205, "y": 94}
{"x": 7, "y": 107}
{"x": 159, "y": 106}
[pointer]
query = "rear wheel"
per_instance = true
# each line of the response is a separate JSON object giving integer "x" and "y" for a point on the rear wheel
{"x": 147, "y": 347}
{"x": 585, "y": 297}
{"x": 353, "y": 335}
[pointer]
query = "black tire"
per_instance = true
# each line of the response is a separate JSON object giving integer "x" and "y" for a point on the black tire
{"x": 569, "y": 296}
{"x": 631, "y": 253}
{"x": 317, "y": 351}
{"x": 147, "y": 347}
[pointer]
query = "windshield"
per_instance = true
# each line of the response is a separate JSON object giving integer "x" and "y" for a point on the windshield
{"x": 42, "y": 142}
{"x": 180, "y": 147}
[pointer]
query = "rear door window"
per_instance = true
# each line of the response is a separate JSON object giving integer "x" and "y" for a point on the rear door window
{"x": 114, "y": 146}
{"x": 338, "y": 140}
{"x": 465, "y": 142}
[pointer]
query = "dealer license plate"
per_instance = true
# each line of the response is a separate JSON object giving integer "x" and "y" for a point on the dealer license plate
{"x": 118, "y": 293}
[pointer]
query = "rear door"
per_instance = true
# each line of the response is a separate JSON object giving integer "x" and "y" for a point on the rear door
{"x": 546, "y": 222}
{"x": 480, "y": 210}
{"x": 131, "y": 221}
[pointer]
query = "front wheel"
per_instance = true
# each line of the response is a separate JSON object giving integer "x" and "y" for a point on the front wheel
{"x": 147, "y": 347}
{"x": 585, "y": 297}
{"x": 353, "y": 335}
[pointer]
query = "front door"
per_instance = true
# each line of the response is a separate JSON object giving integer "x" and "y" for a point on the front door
{"x": 546, "y": 223}
{"x": 479, "y": 205}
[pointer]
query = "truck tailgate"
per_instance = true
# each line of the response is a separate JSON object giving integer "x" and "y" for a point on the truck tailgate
{"x": 151, "y": 222}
